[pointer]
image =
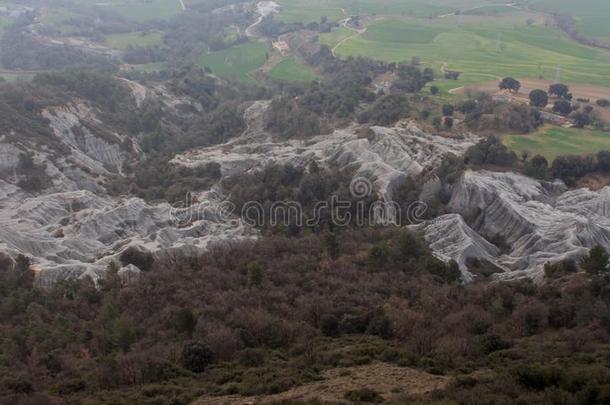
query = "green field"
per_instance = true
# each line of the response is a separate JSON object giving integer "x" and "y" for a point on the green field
{"x": 16, "y": 76}
{"x": 312, "y": 10}
{"x": 290, "y": 70}
{"x": 138, "y": 10}
{"x": 481, "y": 52}
{"x": 592, "y": 15}
{"x": 237, "y": 62}
{"x": 552, "y": 142}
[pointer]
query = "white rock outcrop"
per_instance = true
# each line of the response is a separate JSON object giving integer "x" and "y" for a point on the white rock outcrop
{"x": 539, "y": 221}
{"x": 385, "y": 155}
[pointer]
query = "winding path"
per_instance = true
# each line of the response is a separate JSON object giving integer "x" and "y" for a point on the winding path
{"x": 356, "y": 34}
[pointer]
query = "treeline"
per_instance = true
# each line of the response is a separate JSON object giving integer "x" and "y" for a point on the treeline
{"x": 492, "y": 152}
{"x": 257, "y": 318}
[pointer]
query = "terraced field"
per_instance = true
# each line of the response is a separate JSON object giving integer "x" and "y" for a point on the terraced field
{"x": 552, "y": 142}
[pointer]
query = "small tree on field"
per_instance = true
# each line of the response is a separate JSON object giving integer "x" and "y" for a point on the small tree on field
{"x": 509, "y": 83}
{"x": 539, "y": 98}
{"x": 560, "y": 90}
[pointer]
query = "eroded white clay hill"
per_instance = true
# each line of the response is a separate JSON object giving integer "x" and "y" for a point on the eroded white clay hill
{"x": 538, "y": 222}
{"x": 75, "y": 228}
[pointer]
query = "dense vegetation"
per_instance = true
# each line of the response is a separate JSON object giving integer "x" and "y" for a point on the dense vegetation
{"x": 263, "y": 317}
{"x": 260, "y": 318}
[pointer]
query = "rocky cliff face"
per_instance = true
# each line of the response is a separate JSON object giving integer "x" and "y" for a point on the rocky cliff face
{"x": 537, "y": 221}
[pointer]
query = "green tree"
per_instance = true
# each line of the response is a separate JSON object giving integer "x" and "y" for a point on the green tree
{"x": 562, "y": 107}
{"x": 560, "y": 90}
{"x": 185, "y": 321}
{"x": 255, "y": 274}
{"x": 329, "y": 325}
{"x": 509, "y": 83}
{"x": 332, "y": 245}
{"x": 379, "y": 254}
{"x": 196, "y": 357}
{"x": 596, "y": 261}
{"x": 581, "y": 119}
{"x": 537, "y": 167}
{"x": 539, "y": 98}
{"x": 603, "y": 161}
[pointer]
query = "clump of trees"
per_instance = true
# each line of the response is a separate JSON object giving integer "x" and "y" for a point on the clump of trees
{"x": 482, "y": 113}
{"x": 199, "y": 326}
{"x": 343, "y": 95}
{"x": 571, "y": 168}
{"x": 490, "y": 151}
{"x": 33, "y": 176}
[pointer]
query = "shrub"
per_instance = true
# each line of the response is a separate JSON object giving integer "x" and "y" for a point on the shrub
{"x": 255, "y": 274}
{"x": 492, "y": 343}
{"x": 329, "y": 325}
{"x": 602, "y": 102}
{"x": 448, "y": 110}
{"x": 140, "y": 258}
{"x": 252, "y": 357}
{"x": 380, "y": 325}
{"x": 596, "y": 261}
{"x": 555, "y": 270}
{"x": 363, "y": 395}
{"x": 537, "y": 377}
{"x": 448, "y": 122}
{"x": 185, "y": 321}
{"x": 196, "y": 357}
